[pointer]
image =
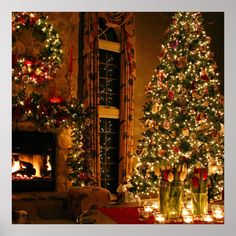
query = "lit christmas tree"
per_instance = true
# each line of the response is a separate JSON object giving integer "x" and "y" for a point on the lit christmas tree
{"x": 183, "y": 115}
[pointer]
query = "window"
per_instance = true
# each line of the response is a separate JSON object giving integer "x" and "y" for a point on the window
{"x": 108, "y": 110}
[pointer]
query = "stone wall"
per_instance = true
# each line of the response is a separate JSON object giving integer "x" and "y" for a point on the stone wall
{"x": 63, "y": 84}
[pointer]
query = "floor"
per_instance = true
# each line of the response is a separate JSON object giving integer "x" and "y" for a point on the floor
{"x": 51, "y": 208}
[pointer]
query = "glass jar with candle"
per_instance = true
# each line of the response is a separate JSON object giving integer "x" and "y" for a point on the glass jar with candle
{"x": 217, "y": 212}
{"x": 188, "y": 219}
{"x": 207, "y": 218}
{"x": 159, "y": 218}
{"x": 147, "y": 206}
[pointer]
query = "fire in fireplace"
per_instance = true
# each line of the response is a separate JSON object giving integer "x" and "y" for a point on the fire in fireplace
{"x": 33, "y": 161}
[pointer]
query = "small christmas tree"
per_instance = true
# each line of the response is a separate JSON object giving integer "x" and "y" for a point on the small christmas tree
{"x": 79, "y": 157}
{"x": 183, "y": 115}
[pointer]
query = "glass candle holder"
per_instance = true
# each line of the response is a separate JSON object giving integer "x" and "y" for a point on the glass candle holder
{"x": 188, "y": 219}
{"x": 186, "y": 212}
{"x": 142, "y": 215}
{"x": 217, "y": 212}
{"x": 159, "y": 218}
{"x": 208, "y": 218}
{"x": 147, "y": 206}
{"x": 155, "y": 206}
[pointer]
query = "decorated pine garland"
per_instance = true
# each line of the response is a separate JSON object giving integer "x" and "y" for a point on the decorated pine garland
{"x": 36, "y": 70}
{"x": 56, "y": 114}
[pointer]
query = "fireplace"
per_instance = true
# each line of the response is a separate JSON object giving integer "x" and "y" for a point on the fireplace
{"x": 33, "y": 161}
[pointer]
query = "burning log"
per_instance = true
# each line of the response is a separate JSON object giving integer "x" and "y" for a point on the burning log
{"x": 22, "y": 167}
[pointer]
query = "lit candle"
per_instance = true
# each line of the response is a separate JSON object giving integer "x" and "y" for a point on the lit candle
{"x": 159, "y": 218}
{"x": 188, "y": 219}
{"x": 147, "y": 206}
{"x": 148, "y": 209}
{"x": 207, "y": 218}
{"x": 186, "y": 212}
{"x": 217, "y": 212}
{"x": 155, "y": 206}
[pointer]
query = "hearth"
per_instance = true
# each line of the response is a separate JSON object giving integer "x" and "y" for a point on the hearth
{"x": 33, "y": 161}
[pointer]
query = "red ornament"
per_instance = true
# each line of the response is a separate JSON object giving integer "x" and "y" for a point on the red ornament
{"x": 176, "y": 149}
{"x": 56, "y": 100}
{"x": 171, "y": 94}
{"x": 174, "y": 44}
{"x": 28, "y": 63}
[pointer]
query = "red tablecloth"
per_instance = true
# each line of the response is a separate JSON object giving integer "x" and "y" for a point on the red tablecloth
{"x": 129, "y": 215}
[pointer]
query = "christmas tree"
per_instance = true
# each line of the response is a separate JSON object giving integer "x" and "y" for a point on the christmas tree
{"x": 183, "y": 115}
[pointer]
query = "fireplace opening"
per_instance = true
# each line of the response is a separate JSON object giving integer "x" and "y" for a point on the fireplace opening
{"x": 33, "y": 161}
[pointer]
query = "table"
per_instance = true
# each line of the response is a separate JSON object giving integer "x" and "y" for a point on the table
{"x": 129, "y": 215}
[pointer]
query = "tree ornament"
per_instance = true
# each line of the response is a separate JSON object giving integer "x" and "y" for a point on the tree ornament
{"x": 196, "y": 95}
{"x": 181, "y": 76}
{"x": 171, "y": 94}
{"x": 161, "y": 152}
{"x": 182, "y": 101}
{"x": 176, "y": 149}
{"x": 166, "y": 124}
{"x": 150, "y": 123}
{"x": 157, "y": 171}
{"x": 160, "y": 74}
{"x": 156, "y": 107}
{"x": 173, "y": 134}
{"x": 181, "y": 62}
{"x": 44, "y": 65}
{"x": 204, "y": 75}
{"x": 185, "y": 132}
{"x": 203, "y": 127}
{"x": 174, "y": 44}
{"x": 163, "y": 53}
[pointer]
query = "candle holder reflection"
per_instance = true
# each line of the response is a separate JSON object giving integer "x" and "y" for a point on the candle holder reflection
{"x": 208, "y": 218}
{"x": 142, "y": 215}
{"x": 155, "y": 206}
{"x": 188, "y": 219}
{"x": 159, "y": 218}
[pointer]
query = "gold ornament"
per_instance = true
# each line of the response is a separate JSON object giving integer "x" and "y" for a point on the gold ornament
{"x": 203, "y": 127}
{"x": 181, "y": 76}
{"x": 156, "y": 107}
{"x": 172, "y": 134}
{"x": 185, "y": 132}
{"x": 206, "y": 104}
{"x": 181, "y": 62}
{"x": 157, "y": 171}
{"x": 196, "y": 95}
{"x": 166, "y": 125}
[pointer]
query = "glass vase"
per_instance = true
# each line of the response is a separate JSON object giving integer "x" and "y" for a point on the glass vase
{"x": 200, "y": 203}
{"x": 171, "y": 199}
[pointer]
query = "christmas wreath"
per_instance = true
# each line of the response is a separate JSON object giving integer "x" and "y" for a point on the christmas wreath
{"x": 39, "y": 68}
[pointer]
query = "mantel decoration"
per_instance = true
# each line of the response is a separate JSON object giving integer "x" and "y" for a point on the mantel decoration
{"x": 57, "y": 114}
{"x": 41, "y": 67}
{"x": 183, "y": 144}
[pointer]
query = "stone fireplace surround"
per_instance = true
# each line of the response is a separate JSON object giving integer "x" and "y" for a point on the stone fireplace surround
{"x": 47, "y": 206}
{"x": 63, "y": 143}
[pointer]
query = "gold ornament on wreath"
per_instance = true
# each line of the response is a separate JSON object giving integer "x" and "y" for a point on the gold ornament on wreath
{"x": 35, "y": 69}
